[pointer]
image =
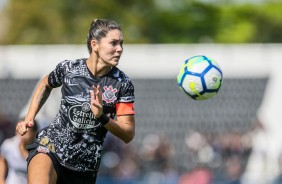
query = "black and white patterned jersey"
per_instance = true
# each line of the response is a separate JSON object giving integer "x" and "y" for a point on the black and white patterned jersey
{"x": 75, "y": 136}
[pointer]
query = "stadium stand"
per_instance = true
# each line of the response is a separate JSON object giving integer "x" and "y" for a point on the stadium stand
{"x": 163, "y": 109}
{"x": 14, "y": 95}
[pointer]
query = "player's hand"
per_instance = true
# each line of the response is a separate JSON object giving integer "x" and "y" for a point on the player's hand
{"x": 23, "y": 127}
{"x": 96, "y": 101}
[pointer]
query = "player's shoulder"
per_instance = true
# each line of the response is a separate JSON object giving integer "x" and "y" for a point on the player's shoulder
{"x": 73, "y": 62}
{"x": 120, "y": 75}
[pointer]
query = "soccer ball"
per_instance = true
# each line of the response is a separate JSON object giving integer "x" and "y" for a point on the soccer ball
{"x": 200, "y": 77}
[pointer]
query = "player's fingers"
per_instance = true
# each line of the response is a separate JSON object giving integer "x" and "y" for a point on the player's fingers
{"x": 94, "y": 89}
{"x": 21, "y": 128}
{"x": 92, "y": 97}
{"x": 99, "y": 94}
{"x": 98, "y": 90}
{"x": 95, "y": 104}
{"x": 29, "y": 124}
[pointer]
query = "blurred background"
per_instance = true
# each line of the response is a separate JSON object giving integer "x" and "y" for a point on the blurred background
{"x": 232, "y": 138}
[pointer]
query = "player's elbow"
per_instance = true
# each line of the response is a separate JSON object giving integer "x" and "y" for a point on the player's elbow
{"x": 127, "y": 140}
{"x": 129, "y": 137}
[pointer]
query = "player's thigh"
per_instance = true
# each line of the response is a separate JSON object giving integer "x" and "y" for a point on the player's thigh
{"x": 41, "y": 170}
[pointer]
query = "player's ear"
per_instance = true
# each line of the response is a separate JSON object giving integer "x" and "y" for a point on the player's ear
{"x": 94, "y": 45}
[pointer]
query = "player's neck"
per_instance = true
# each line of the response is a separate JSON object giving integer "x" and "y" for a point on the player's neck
{"x": 97, "y": 68}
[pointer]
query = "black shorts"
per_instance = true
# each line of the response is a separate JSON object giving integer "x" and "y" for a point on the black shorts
{"x": 64, "y": 175}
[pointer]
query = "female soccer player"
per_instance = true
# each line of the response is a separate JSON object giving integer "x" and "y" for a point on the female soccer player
{"x": 96, "y": 97}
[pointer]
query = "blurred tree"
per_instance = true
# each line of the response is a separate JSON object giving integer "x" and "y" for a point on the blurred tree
{"x": 249, "y": 23}
{"x": 188, "y": 22}
{"x": 67, "y": 21}
{"x": 143, "y": 21}
{"x": 269, "y": 23}
{"x": 33, "y": 22}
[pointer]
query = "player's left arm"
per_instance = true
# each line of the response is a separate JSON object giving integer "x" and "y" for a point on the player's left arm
{"x": 123, "y": 127}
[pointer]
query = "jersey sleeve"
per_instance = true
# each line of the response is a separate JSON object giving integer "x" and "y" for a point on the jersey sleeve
{"x": 125, "y": 109}
{"x": 125, "y": 105}
{"x": 55, "y": 78}
{"x": 127, "y": 92}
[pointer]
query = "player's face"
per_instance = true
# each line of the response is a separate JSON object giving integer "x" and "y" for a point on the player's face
{"x": 111, "y": 47}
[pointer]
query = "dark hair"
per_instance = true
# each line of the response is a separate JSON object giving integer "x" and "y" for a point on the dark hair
{"x": 99, "y": 28}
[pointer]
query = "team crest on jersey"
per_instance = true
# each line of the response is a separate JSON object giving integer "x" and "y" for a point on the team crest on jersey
{"x": 109, "y": 94}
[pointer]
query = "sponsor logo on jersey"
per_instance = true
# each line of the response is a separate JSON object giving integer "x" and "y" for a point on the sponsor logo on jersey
{"x": 82, "y": 117}
{"x": 51, "y": 147}
{"x": 43, "y": 149}
{"x": 44, "y": 141}
{"x": 109, "y": 94}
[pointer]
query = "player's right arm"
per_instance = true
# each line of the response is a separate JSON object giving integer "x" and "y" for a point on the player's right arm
{"x": 39, "y": 97}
